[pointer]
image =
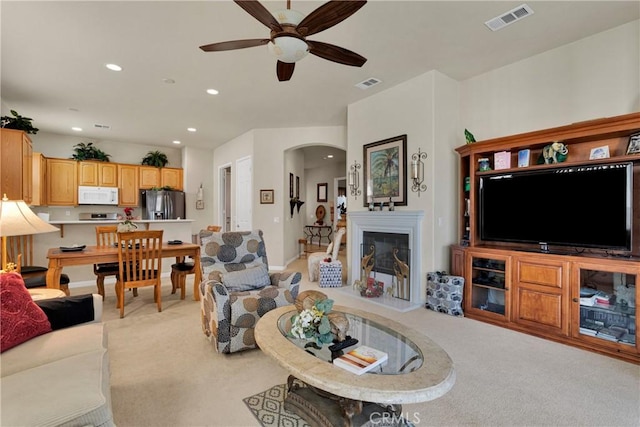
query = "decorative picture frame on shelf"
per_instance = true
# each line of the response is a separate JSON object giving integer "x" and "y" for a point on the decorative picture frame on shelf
{"x": 599, "y": 153}
{"x": 385, "y": 171}
{"x": 322, "y": 192}
{"x": 634, "y": 144}
{"x": 266, "y": 197}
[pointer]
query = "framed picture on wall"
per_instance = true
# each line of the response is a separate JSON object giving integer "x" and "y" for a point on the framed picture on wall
{"x": 290, "y": 185}
{"x": 322, "y": 192}
{"x": 298, "y": 187}
{"x": 385, "y": 171}
{"x": 266, "y": 197}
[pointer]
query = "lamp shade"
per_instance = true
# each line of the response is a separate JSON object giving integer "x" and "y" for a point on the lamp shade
{"x": 16, "y": 219}
{"x": 288, "y": 49}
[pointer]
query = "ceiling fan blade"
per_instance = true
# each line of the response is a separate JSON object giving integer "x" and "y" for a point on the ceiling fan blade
{"x": 328, "y": 15}
{"x": 285, "y": 70}
{"x": 258, "y": 11}
{"x": 336, "y": 54}
{"x": 234, "y": 44}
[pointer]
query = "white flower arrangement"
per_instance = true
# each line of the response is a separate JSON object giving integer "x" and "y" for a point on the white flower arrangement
{"x": 313, "y": 323}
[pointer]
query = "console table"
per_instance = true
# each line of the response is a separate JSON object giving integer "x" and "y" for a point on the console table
{"x": 319, "y": 231}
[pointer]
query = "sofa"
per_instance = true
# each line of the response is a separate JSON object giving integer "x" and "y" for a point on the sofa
{"x": 237, "y": 288}
{"x": 54, "y": 368}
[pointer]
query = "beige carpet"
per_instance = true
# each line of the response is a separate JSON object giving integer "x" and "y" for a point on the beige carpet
{"x": 165, "y": 373}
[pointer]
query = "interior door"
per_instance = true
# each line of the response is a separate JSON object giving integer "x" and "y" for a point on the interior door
{"x": 243, "y": 194}
{"x": 225, "y": 198}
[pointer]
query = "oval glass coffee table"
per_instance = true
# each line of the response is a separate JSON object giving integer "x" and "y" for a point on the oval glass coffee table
{"x": 418, "y": 370}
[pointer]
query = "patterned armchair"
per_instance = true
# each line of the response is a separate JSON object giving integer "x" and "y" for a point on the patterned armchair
{"x": 237, "y": 288}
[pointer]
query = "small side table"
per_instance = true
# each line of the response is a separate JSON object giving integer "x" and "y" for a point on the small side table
{"x": 45, "y": 293}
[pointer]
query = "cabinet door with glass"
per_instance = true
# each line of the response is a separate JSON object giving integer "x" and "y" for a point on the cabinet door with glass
{"x": 487, "y": 291}
{"x": 604, "y": 303}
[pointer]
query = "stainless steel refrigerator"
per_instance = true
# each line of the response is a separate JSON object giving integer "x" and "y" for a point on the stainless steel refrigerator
{"x": 162, "y": 204}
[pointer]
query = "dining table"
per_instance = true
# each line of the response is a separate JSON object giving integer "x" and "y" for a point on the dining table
{"x": 59, "y": 258}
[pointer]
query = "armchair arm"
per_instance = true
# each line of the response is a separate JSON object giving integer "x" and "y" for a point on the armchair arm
{"x": 287, "y": 279}
{"x": 73, "y": 310}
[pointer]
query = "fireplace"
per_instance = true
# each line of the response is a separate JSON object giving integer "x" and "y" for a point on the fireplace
{"x": 391, "y": 233}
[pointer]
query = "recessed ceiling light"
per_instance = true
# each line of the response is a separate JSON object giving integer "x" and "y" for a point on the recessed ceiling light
{"x": 191, "y": 129}
{"x": 169, "y": 81}
{"x": 77, "y": 129}
{"x": 176, "y": 142}
{"x": 114, "y": 67}
{"x": 212, "y": 92}
{"x": 330, "y": 156}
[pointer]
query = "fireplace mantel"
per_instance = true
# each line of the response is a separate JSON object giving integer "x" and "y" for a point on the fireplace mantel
{"x": 401, "y": 222}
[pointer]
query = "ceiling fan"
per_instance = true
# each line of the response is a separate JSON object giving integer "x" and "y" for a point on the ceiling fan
{"x": 289, "y": 32}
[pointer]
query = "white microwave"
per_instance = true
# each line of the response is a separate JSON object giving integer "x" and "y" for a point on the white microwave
{"x": 97, "y": 195}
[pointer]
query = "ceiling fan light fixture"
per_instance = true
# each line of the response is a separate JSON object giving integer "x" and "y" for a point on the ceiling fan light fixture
{"x": 288, "y": 49}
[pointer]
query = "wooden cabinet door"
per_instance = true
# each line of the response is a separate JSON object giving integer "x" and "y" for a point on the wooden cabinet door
{"x": 39, "y": 174}
{"x": 88, "y": 173}
{"x": 149, "y": 177}
{"x": 487, "y": 287}
{"x": 457, "y": 261}
{"x": 171, "y": 177}
{"x": 107, "y": 174}
{"x": 62, "y": 185}
{"x": 128, "y": 176}
{"x": 541, "y": 294}
{"x": 15, "y": 165}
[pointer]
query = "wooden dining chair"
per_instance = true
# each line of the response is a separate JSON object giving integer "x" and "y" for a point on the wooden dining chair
{"x": 106, "y": 236}
{"x": 20, "y": 252}
{"x": 139, "y": 264}
{"x": 180, "y": 270}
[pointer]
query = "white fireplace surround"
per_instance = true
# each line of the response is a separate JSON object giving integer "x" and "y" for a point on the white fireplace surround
{"x": 400, "y": 222}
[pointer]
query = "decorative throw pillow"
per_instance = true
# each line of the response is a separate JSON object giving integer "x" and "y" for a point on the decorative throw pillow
{"x": 20, "y": 318}
{"x": 247, "y": 280}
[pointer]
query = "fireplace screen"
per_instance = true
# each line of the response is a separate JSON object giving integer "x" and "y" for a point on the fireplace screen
{"x": 385, "y": 257}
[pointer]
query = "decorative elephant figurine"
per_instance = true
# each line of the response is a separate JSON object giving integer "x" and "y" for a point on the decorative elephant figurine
{"x": 555, "y": 153}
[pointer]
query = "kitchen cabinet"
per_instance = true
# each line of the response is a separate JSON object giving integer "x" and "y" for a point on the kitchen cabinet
{"x": 16, "y": 165}
{"x": 39, "y": 180}
{"x": 171, "y": 177}
{"x": 128, "y": 184}
{"x": 149, "y": 177}
{"x": 99, "y": 174}
{"x": 62, "y": 182}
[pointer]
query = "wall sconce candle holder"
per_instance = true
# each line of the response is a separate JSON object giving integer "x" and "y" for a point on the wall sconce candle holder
{"x": 417, "y": 172}
{"x": 354, "y": 179}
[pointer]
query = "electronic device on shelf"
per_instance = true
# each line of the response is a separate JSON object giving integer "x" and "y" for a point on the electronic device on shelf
{"x": 580, "y": 206}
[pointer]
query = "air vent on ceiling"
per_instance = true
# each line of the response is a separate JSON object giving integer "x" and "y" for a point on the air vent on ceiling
{"x": 510, "y": 17}
{"x": 105, "y": 127}
{"x": 366, "y": 84}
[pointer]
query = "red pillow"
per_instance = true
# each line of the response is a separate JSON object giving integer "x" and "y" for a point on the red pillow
{"x": 20, "y": 318}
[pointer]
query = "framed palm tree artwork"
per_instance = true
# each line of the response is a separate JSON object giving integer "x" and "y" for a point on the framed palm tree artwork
{"x": 385, "y": 171}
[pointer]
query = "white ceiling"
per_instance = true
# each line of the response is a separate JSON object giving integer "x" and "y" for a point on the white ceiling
{"x": 53, "y": 55}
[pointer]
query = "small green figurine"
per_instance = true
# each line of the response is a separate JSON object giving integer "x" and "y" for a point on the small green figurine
{"x": 469, "y": 137}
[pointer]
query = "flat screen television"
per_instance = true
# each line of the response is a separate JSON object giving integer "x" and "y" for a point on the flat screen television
{"x": 581, "y": 206}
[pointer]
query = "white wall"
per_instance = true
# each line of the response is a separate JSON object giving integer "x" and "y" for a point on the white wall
{"x": 595, "y": 77}
{"x": 425, "y": 109}
{"x": 271, "y": 167}
{"x": 320, "y": 175}
{"x": 198, "y": 167}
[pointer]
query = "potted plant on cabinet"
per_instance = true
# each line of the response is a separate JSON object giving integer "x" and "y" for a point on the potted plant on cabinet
{"x": 86, "y": 151}
{"x": 155, "y": 158}
{"x": 18, "y": 122}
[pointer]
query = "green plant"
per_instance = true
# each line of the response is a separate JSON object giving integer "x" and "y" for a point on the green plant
{"x": 155, "y": 158}
{"x": 16, "y": 121}
{"x": 86, "y": 151}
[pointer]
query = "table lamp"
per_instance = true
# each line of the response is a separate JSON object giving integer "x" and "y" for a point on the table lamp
{"x": 16, "y": 219}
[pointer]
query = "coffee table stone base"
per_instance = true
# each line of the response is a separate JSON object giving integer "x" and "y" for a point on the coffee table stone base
{"x": 321, "y": 409}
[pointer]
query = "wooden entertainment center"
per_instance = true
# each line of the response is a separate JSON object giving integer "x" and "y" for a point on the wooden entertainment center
{"x": 583, "y": 297}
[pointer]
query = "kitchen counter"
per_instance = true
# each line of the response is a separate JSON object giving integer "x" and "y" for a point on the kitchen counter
{"x": 93, "y": 222}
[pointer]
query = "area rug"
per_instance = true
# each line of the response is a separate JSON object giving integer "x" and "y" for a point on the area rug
{"x": 268, "y": 408}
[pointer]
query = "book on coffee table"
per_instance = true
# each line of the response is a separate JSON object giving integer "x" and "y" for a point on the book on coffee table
{"x": 361, "y": 359}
